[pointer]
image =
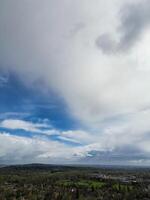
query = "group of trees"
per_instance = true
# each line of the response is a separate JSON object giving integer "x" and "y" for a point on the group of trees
{"x": 67, "y": 184}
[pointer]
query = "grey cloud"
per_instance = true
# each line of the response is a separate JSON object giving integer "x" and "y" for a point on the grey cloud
{"x": 77, "y": 28}
{"x": 123, "y": 156}
{"x": 106, "y": 43}
{"x": 134, "y": 19}
{"x": 16, "y": 149}
{"x": 3, "y": 81}
{"x": 34, "y": 46}
{"x": 3, "y": 78}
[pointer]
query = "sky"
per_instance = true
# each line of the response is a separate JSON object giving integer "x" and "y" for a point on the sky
{"x": 75, "y": 82}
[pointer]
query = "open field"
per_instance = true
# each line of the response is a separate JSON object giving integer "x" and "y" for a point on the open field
{"x": 48, "y": 182}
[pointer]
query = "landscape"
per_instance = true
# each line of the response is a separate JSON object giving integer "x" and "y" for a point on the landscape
{"x": 74, "y": 99}
{"x": 52, "y": 182}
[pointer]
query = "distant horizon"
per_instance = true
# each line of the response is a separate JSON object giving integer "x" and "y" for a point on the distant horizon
{"x": 108, "y": 166}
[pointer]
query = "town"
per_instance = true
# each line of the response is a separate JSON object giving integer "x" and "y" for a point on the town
{"x": 50, "y": 182}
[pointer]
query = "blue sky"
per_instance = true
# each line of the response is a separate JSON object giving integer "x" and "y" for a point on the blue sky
{"x": 34, "y": 105}
{"x": 74, "y": 82}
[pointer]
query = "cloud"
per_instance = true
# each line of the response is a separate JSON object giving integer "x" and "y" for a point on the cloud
{"x": 38, "y": 48}
{"x": 36, "y": 149}
{"x": 25, "y": 150}
{"x": 51, "y": 44}
{"x": 75, "y": 136}
{"x": 134, "y": 19}
{"x": 3, "y": 78}
{"x": 13, "y": 115}
{"x": 106, "y": 43}
{"x": 3, "y": 81}
{"x": 118, "y": 156}
{"x": 24, "y": 125}
{"x": 127, "y": 140}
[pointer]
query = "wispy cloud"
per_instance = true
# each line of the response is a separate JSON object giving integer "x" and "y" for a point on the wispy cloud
{"x": 24, "y": 125}
{"x": 127, "y": 140}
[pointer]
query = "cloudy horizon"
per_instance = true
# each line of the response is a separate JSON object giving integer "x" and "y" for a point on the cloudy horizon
{"x": 74, "y": 82}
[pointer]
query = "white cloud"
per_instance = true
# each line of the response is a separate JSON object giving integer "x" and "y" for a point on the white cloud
{"x": 43, "y": 40}
{"x": 24, "y": 125}
{"x": 15, "y": 149}
{"x": 129, "y": 139}
{"x": 77, "y": 136}
{"x": 39, "y": 48}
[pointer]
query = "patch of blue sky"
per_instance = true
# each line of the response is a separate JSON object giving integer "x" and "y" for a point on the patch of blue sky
{"x": 20, "y": 101}
{"x": 30, "y": 134}
{"x": 69, "y": 143}
{"x": 17, "y": 132}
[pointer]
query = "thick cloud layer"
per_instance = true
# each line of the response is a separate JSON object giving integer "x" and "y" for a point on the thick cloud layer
{"x": 134, "y": 19}
{"x": 53, "y": 42}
